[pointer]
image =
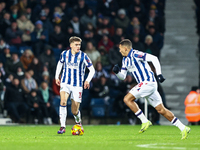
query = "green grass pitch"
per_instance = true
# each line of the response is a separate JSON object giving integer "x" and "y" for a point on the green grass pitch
{"x": 98, "y": 137}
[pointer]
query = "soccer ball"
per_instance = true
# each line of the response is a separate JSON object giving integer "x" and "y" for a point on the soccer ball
{"x": 77, "y": 130}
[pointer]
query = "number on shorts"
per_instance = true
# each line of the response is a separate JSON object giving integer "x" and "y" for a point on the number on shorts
{"x": 140, "y": 84}
{"x": 80, "y": 94}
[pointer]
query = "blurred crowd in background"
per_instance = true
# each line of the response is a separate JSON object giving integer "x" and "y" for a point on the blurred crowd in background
{"x": 33, "y": 33}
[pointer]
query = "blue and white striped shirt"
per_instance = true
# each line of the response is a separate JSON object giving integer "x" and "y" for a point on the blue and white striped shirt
{"x": 74, "y": 67}
{"x": 136, "y": 63}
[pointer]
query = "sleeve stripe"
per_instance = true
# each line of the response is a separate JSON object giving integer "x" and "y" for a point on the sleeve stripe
{"x": 124, "y": 69}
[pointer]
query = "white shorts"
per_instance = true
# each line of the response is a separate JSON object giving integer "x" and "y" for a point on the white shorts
{"x": 147, "y": 90}
{"x": 75, "y": 92}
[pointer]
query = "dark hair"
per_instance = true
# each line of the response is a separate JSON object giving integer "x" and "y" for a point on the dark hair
{"x": 194, "y": 88}
{"x": 126, "y": 42}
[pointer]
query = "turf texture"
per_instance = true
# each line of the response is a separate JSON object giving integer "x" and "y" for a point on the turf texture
{"x": 99, "y": 137}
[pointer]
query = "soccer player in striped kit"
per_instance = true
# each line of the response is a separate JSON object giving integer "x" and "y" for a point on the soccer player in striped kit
{"x": 72, "y": 63}
{"x": 136, "y": 62}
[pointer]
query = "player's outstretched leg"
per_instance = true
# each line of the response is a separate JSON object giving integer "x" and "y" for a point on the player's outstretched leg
{"x": 145, "y": 122}
{"x": 185, "y": 132}
{"x": 145, "y": 126}
{"x": 174, "y": 121}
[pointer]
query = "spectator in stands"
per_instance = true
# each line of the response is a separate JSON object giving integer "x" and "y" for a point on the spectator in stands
{"x": 14, "y": 12}
{"x": 90, "y": 27}
{"x": 47, "y": 58}
{"x": 46, "y": 77}
{"x": 89, "y": 17}
{"x": 2, "y": 45}
{"x": 159, "y": 6}
{"x": 27, "y": 58}
{"x": 22, "y": 4}
{"x": 1, "y": 11}
{"x": 137, "y": 44}
{"x": 115, "y": 56}
{"x": 150, "y": 47}
{"x": 36, "y": 67}
{"x": 8, "y": 81}
{"x": 159, "y": 22}
{"x": 106, "y": 43}
{"x": 122, "y": 20}
{"x": 107, "y": 8}
{"x": 28, "y": 83}
{"x": 20, "y": 74}
{"x": 81, "y": 8}
{"x": 33, "y": 100}
{"x": 46, "y": 22}
{"x": 39, "y": 38}
{"x": 5, "y": 55}
{"x": 27, "y": 27}
{"x": 58, "y": 10}
{"x": 192, "y": 106}
{"x": 157, "y": 38}
{"x": 14, "y": 34}
{"x": 104, "y": 58}
{"x": 135, "y": 23}
{"x": 88, "y": 37}
{"x": 106, "y": 27}
{"x": 59, "y": 21}
{"x": 136, "y": 10}
{"x": 12, "y": 65}
{"x": 118, "y": 36}
{"x": 14, "y": 101}
{"x": 64, "y": 5}
{"x": 5, "y": 23}
{"x": 76, "y": 25}
{"x": 92, "y": 53}
{"x": 57, "y": 38}
{"x": 100, "y": 89}
{"x": 29, "y": 15}
{"x": 48, "y": 110}
{"x": 149, "y": 24}
{"x": 38, "y": 8}
{"x": 99, "y": 71}
{"x": 2, "y": 70}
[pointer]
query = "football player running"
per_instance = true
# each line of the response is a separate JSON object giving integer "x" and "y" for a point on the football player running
{"x": 136, "y": 62}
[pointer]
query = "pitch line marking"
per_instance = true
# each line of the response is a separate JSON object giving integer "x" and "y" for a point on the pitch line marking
{"x": 159, "y": 146}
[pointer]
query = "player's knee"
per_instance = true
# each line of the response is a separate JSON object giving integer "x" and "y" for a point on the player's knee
{"x": 63, "y": 103}
{"x": 126, "y": 100}
{"x": 161, "y": 111}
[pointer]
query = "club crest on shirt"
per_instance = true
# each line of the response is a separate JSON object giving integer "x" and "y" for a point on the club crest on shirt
{"x": 88, "y": 61}
{"x": 131, "y": 68}
{"x": 138, "y": 55}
